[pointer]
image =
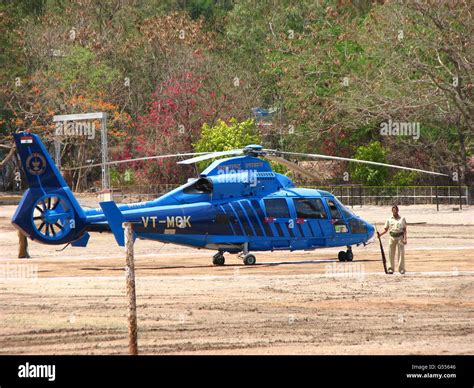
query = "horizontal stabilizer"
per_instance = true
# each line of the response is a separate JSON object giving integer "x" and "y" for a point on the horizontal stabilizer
{"x": 82, "y": 242}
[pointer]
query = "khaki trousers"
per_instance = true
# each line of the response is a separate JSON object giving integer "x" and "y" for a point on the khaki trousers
{"x": 394, "y": 243}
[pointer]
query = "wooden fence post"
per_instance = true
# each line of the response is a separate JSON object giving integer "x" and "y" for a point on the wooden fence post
{"x": 22, "y": 246}
{"x": 131, "y": 295}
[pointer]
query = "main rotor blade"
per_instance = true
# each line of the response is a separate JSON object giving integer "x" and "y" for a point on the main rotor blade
{"x": 210, "y": 156}
{"x": 137, "y": 159}
{"x": 360, "y": 161}
{"x": 292, "y": 166}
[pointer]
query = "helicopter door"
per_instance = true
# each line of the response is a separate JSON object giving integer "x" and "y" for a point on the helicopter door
{"x": 277, "y": 216}
{"x": 340, "y": 227}
{"x": 312, "y": 220}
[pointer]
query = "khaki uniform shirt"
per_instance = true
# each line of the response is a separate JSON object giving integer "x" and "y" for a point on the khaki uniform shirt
{"x": 395, "y": 225}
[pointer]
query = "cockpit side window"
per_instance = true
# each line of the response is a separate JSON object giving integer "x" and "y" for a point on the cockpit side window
{"x": 335, "y": 213}
{"x": 201, "y": 186}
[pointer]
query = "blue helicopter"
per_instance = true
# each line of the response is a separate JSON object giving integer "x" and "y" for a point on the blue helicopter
{"x": 238, "y": 205}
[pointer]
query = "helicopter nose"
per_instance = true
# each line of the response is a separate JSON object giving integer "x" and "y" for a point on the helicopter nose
{"x": 370, "y": 230}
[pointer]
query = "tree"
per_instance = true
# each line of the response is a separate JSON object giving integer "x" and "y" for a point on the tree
{"x": 367, "y": 174}
{"x": 333, "y": 72}
{"x": 419, "y": 69}
{"x": 227, "y": 136}
{"x": 172, "y": 124}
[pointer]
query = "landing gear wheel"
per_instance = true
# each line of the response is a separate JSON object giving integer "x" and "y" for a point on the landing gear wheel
{"x": 349, "y": 256}
{"x": 250, "y": 259}
{"x": 218, "y": 259}
{"x": 342, "y": 256}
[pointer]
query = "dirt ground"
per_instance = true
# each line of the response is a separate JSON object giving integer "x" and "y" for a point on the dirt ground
{"x": 73, "y": 302}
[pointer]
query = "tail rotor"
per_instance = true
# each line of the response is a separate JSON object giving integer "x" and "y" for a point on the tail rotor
{"x": 53, "y": 217}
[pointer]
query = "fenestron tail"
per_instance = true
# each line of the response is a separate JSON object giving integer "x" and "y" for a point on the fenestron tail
{"x": 48, "y": 211}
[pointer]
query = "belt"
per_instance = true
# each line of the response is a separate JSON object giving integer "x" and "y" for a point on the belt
{"x": 393, "y": 234}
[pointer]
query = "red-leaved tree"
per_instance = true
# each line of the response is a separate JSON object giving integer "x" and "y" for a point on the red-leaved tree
{"x": 177, "y": 110}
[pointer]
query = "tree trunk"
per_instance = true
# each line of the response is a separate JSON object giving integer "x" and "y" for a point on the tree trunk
{"x": 9, "y": 156}
{"x": 464, "y": 170}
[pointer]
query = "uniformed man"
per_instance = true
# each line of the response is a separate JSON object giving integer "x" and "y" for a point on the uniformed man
{"x": 397, "y": 226}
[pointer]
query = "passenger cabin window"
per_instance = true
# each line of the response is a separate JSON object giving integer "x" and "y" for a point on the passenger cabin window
{"x": 201, "y": 186}
{"x": 222, "y": 219}
{"x": 309, "y": 208}
{"x": 335, "y": 213}
{"x": 277, "y": 208}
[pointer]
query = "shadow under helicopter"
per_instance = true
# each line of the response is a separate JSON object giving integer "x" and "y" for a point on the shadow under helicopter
{"x": 238, "y": 265}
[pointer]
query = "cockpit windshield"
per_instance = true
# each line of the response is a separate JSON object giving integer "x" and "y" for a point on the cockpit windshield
{"x": 345, "y": 211}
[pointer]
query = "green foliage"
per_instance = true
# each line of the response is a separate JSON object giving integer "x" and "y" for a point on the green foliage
{"x": 334, "y": 70}
{"x": 122, "y": 178}
{"x": 80, "y": 68}
{"x": 225, "y": 137}
{"x": 210, "y": 10}
{"x": 13, "y": 15}
{"x": 367, "y": 174}
{"x": 404, "y": 178}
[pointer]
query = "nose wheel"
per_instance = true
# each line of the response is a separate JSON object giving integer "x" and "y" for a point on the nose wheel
{"x": 247, "y": 257}
{"x": 250, "y": 259}
{"x": 346, "y": 256}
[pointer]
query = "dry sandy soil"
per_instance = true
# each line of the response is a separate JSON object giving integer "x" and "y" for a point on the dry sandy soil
{"x": 73, "y": 302}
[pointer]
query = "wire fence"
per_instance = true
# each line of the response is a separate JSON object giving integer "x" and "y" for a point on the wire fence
{"x": 350, "y": 195}
{"x": 354, "y": 195}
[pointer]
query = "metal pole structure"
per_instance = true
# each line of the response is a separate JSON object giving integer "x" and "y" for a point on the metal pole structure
{"x": 437, "y": 201}
{"x": 459, "y": 188}
{"x": 57, "y": 152}
{"x": 105, "y": 153}
{"x": 102, "y": 116}
{"x": 131, "y": 295}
